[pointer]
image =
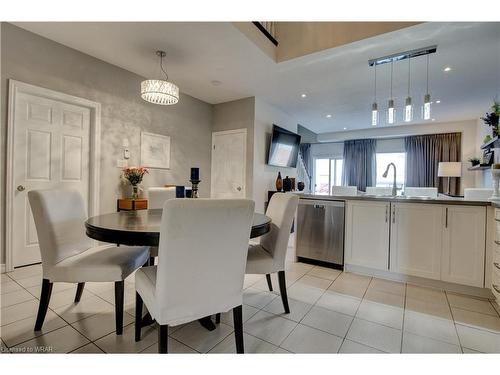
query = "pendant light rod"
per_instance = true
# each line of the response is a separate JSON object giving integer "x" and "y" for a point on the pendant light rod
{"x": 403, "y": 55}
{"x": 392, "y": 66}
{"x": 427, "y": 90}
{"x": 162, "y": 54}
{"x": 375, "y": 88}
{"x": 409, "y": 74}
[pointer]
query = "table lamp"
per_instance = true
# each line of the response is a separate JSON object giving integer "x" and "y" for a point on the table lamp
{"x": 449, "y": 169}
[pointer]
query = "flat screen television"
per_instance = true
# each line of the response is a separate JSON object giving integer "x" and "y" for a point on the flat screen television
{"x": 284, "y": 148}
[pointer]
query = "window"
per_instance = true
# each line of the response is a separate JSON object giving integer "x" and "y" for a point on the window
{"x": 383, "y": 159}
{"x": 327, "y": 173}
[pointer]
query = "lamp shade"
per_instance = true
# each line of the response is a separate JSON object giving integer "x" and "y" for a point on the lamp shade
{"x": 449, "y": 169}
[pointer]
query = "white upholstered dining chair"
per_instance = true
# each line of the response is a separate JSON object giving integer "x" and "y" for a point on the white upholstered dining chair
{"x": 269, "y": 255}
{"x": 68, "y": 255}
{"x": 157, "y": 196}
{"x": 201, "y": 265}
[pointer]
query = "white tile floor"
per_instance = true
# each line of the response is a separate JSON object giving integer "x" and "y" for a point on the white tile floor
{"x": 331, "y": 312}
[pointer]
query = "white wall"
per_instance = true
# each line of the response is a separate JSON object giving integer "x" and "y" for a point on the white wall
{"x": 470, "y": 142}
{"x": 264, "y": 176}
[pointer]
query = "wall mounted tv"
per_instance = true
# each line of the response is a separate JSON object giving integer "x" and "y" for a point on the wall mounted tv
{"x": 284, "y": 148}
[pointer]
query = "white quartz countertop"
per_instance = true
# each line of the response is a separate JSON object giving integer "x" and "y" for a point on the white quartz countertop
{"x": 441, "y": 199}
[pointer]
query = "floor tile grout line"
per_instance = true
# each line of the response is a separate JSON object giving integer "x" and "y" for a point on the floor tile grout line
{"x": 356, "y": 312}
{"x": 404, "y": 314}
{"x": 454, "y": 323}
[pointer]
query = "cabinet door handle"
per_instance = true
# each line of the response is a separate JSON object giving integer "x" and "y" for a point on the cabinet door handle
{"x": 386, "y": 213}
{"x": 497, "y": 289}
{"x": 393, "y": 214}
{"x": 496, "y": 265}
{"x": 446, "y": 219}
{"x": 320, "y": 206}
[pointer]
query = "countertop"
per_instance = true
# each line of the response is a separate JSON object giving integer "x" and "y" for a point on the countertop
{"x": 441, "y": 199}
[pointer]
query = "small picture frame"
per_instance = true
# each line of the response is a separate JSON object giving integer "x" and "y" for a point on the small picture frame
{"x": 155, "y": 151}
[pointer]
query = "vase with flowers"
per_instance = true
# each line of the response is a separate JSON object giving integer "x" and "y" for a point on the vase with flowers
{"x": 134, "y": 175}
{"x": 491, "y": 118}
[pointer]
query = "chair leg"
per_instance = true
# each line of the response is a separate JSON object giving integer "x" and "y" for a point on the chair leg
{"x": 284, "y": 297}
{"x": 238, "y": 328}
{"x": 138, "y": 317}
{"x": 269, "y": 282}
{"x": 44, "y": 303}
{"x": 163, "y": 339}
{"x": 151, "y": 261}
{"x": 217, "y": 318}
{"x": 79, "y": 291}
{"x": 119, "y": 289}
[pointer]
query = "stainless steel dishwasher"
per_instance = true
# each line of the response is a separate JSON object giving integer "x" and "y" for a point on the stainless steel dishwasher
{"x": 320, "y": 231}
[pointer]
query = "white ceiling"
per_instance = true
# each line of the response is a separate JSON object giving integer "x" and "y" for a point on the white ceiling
{"x": 337, "y": 81}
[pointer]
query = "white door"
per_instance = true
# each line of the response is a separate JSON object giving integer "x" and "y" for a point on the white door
{"x": 50, "y": 150}
{"x": 464, "y": 245}
{"x": 367, "y": 234}
{"x": 229, "y": 164}
{"x": 416, "y": 238}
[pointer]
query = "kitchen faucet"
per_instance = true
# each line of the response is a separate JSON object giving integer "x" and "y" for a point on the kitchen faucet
{"x": 394, "y": 188}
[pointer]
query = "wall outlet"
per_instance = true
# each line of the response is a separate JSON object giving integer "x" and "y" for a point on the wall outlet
{"x": 120, "y": 163}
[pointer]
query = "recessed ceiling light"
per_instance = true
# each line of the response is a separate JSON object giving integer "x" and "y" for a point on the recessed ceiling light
{"x": 438, "y": 101}
{"x": 447, "y": 69}
{"x": 303, "y": 95}
{"x": 433, "y": 119}
{"x": 345, "y": 128}
{"x": 328, "y": 116}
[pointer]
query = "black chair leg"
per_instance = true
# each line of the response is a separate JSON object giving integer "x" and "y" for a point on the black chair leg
{"x": 138, "y": 317}
{"x": 119, "y": 290}
{"x": 217, "y": 318}
{"x": 79, "y": 291}
{"x": 151, "y": 261}
{"x": 163, "y": 339}
{"x": 284, "y": 297}
{"x": 44, "y": 303}
{"x": 269, "y": 282}
{"x": 238, "y": 328}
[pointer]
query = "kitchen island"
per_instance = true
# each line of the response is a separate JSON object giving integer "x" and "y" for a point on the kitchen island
{"x": 444, "y": 242}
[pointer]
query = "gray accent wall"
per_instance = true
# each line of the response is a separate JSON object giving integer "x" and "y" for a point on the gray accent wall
{"x": 33, "y": 59}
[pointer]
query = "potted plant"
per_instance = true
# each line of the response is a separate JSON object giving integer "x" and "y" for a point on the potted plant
{"x": 134, "y": 175}
{"x": 475, "y": 161}
{"x": 491, "y": 118}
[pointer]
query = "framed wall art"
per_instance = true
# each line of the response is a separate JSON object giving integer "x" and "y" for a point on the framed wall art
{"x": 155, "y": 150}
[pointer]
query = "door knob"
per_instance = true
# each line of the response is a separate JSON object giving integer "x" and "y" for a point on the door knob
{"x": 238, "y": 188}
{"x": 21, "y": 188}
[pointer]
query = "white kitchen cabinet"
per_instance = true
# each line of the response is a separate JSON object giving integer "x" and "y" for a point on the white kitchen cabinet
{"x": 464, "y": 239}
{"x": 416, "y": 239}
{"x": 367, "y": 234}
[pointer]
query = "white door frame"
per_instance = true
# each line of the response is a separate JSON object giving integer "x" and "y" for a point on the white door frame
{"x": 16, "y": 87}
{"x": 235, "y": 131}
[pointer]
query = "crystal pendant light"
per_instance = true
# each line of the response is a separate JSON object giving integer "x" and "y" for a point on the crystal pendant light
{"x": 427, "y": 97}
{"x": 391, "y": 112}
{"x": 158, "y": 91}
{"x": 374, "y": 105}
{"x": 408, "y": 105}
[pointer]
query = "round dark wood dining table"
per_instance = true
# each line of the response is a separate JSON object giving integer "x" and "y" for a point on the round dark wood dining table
{"x": 142, "y": 228}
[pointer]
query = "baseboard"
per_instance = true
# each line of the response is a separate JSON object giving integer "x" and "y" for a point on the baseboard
{"x": 450, "y": 287}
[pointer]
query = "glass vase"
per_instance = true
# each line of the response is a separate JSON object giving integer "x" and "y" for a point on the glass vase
{"x": 135, "y": 192}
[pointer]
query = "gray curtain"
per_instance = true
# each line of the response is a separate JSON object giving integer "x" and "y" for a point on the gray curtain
{"x": 423, "y": 154}
{"x": 359, "y": 163}
{"x": 305, "y": 154}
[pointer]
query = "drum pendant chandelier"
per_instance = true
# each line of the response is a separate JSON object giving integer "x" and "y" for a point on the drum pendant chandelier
{"x": 158, "y": 91}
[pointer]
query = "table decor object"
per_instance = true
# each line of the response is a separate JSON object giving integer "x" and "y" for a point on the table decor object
{"x": 492, "y": 118}
{"x": 279, "y": 182}
{"x": 180, "y": 192}
{"x": 195, "y": 180}
{"x": 134, "y": 175}
{"x": 287, "y": 184}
